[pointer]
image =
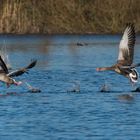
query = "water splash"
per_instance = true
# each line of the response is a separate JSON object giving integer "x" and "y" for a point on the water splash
{"x": 75, "y": 87}
{"x": 104, "y": 88}
{"x": 31, "y": 88}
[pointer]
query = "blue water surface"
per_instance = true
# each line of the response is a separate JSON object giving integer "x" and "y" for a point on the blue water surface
{"x": 56, "y": 113}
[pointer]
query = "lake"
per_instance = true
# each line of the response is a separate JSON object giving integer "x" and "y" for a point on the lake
{"x": 70, "y": 105}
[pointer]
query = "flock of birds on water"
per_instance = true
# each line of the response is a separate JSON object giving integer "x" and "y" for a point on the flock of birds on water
{"x": 123, "y": 66}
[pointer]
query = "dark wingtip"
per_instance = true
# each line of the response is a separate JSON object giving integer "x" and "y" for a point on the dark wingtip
{"x": 3, "y": 65}
{"x": 131, "y": 27}
{"x": 130, "y": 24}
{"x": 32, "y": 64}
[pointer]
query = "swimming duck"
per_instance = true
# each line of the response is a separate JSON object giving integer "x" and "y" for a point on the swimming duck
{"x": 6, "y": 76}
{"x": 124, "y": 64}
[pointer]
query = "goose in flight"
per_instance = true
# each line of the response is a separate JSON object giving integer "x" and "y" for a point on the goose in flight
{"x": 124, "y": 65}
{"x": 7, "y": 77}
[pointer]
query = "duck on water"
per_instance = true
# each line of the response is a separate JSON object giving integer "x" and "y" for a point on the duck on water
{"x": 124, "y": 65}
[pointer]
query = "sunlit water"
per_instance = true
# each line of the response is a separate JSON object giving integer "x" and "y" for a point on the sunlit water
{"x": 60, "y": 111}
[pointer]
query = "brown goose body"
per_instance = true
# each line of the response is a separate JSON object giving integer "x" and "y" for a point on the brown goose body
{"x": 116, "y": 68}
{"x": 6, "y": 79}
{"x": 124, "y": 64}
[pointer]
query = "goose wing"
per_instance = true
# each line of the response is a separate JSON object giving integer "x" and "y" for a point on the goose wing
{"x": 32, "y": 64}
{"x": 131, "y": 66}
{"x": 126, "y": 47}
{"x": 3, "y": 66}
{"x": 22, "y": 70}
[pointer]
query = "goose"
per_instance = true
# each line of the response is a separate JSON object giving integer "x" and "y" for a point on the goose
{"x": 124, "y": 65}
{"x": 7, "y": 77}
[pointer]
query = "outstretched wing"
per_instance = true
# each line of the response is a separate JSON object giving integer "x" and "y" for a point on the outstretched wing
{"x": 22, "y": 70}
{"x": 32, "y": 64}
{"x": 126, "y": 47}
{"x": 3, "y": 66}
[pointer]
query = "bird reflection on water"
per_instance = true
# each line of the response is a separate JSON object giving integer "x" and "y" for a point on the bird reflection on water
{"x": 126, "y": 97}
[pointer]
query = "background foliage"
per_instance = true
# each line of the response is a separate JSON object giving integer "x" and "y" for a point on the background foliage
{"x": 68, "y": 16}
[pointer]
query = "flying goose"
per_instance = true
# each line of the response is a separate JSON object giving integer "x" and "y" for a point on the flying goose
{"x": 6, "y": 76}
{"x": 124, "y": 64}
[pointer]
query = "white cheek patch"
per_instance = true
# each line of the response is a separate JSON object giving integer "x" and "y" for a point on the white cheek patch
{"x": 134, "y": 75}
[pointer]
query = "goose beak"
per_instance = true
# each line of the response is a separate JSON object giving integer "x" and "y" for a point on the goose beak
{"x": 97, "y": 69}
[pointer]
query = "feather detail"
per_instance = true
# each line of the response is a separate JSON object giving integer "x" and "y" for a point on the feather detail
{"x": 126, "y": 47}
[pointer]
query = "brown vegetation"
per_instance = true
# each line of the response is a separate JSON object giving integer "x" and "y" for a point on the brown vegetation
{"x": 68, "y": 16}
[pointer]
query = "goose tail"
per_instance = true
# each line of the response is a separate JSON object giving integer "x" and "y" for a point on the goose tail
{"x": 134, "y": 75}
